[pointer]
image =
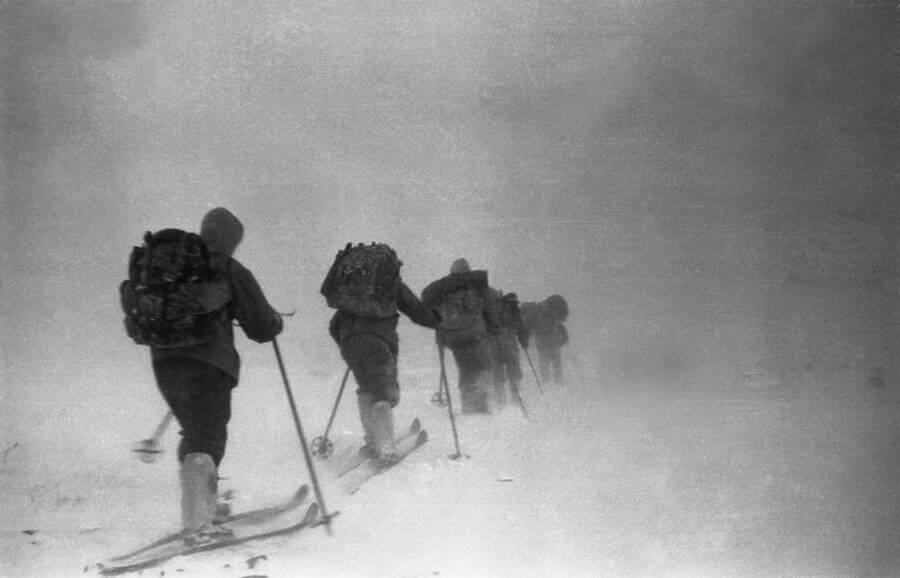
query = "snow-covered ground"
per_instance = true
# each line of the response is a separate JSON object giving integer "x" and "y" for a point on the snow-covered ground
{"x": 680, "y": 463}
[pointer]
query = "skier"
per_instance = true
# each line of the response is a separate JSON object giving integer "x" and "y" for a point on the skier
{"x": 366, "y": 334}
{"x": 546, "y": 321}
{"x": 505, "y": 346}
{"x": 467, "y": 314}
{"x": 196, "y": 381}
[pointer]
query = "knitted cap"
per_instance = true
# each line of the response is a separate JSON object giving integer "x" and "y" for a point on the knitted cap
{"x": 460, "y": 266}
{"x": 221, "y": 231}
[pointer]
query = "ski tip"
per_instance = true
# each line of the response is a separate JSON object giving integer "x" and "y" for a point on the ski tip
{"x": 416, "y": 426}
{"x": 326, "y": 518}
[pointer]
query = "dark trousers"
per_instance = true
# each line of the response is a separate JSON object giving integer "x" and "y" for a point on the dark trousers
{"x": 472, "y": 355}
{"x": 505, "y": 352}
{"x": 199, "y": 395}
{"x": 374, "y": 366}
{"x": 550, "y": 361}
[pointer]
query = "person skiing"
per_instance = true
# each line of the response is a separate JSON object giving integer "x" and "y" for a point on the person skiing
{"x": 546, "y": 321}
{"x": 505, "y": 346}
{"x": 366, "y": 334}
{"x": 466, "y": 310}
{"x": 196, "y": 381}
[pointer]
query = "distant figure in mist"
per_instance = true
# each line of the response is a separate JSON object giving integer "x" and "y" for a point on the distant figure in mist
{"x": 464, "y": 305}
{"x": 365, "y": 287}
{"x": 505, "y": 345}
{"x": 546, "y": 321}
{"x": 196, "y": 374}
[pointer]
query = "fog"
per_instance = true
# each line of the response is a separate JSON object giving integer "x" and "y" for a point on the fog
{"x": 713, "y": 186}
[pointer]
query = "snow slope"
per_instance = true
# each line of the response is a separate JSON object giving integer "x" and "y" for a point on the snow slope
{"x": 728, "y": 474}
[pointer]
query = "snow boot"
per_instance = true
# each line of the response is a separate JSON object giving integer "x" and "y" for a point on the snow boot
{"x": 474, "y": 397}
{"x": 500, "y": 395}
{"x": 383, "y": 430}
{"x": 365, "y": 400}
{"x": 199, "y": 483}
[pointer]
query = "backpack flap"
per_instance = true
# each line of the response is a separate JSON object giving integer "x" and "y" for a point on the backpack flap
{"x": 173, "y": 296}
{"x": 459, "y": 299}
{"x": 364, "y": 280}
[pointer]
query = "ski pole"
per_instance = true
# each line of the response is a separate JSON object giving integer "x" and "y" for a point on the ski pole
{"x": 446, "y": 386}
{"x": 148, "y": 450}
{"x": 514, "y": 388}
{"x": 536, "y": 378}
{"x": 322, "y": 446}
{"x": 309, "y": 463}
{"x": 438, "y": 397}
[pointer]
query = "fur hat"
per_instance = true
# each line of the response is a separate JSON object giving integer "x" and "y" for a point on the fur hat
{"x": 221, "y": 231}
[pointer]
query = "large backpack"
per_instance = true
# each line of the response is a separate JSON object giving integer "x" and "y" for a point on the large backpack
{"x": 459, "y": 299}
{"x": 173, "y": 295}
{"x": 364, "y": 280}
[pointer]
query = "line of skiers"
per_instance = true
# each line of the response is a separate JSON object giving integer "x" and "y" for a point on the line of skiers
{"x": 185, "y": 291}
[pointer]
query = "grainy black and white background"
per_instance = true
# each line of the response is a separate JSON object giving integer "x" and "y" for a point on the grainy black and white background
{"x": 712, "y": 185}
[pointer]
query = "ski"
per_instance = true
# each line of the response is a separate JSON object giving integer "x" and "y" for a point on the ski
{"x": 370, "y": 468}
{"x": 249, "y": 518}
{"x": 356, "y": 460}
{"x": 173, "y": 549}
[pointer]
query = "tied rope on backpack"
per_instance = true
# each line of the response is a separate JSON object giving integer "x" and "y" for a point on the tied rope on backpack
{"x": 364, "y": 280}
{"x": 173, "y": 294}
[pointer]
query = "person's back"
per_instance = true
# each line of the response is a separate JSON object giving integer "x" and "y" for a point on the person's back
{"x": 505, "y": 345}
{"x": 547, "y": 322}
{"x": 466, "y": 312}
{"x": 196, "y": 381}
{"x": 366, "y": 334}
{"x": 223, "y": 232}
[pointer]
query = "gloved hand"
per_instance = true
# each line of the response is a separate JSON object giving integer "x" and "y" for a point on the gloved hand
{"x": 279, "y": 320}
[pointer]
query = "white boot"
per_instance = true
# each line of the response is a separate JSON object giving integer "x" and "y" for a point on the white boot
{"x": 199, "y": 484}
{"x": 364, "y": 400}
{"x": 383, "y": 429}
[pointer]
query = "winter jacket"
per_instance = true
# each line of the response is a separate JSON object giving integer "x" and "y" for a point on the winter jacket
{"x": 222, "y": 233}
{"x": 344, "y": 324}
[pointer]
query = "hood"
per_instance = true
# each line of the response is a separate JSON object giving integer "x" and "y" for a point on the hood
{"x": 221, "y": 231}
{"x": 460, "y": 266}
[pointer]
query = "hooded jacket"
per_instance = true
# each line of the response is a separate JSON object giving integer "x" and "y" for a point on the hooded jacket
{"x": 344, "y": 325}
{"x": 222, "y": 232}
